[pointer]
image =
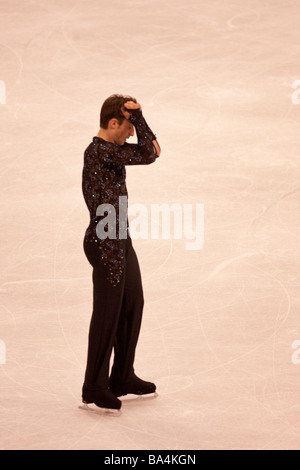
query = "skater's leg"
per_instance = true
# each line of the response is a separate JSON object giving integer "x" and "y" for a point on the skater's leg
{"x": 107, "y": 302}
{"x": 129, "y": 321}
{"x": 123, "y": 379}
{"x": 106, "y": 310}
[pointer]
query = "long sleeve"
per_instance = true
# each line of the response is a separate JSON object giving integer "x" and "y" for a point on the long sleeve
{"x": 104, "y": 182}
{"x": 142, "y": 153}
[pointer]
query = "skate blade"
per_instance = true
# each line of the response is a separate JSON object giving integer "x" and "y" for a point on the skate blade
{"x": 91, "y": 408}
{"x": 146, "y": 396}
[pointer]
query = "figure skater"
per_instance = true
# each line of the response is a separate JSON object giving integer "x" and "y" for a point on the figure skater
{"x": 117, "y": 286}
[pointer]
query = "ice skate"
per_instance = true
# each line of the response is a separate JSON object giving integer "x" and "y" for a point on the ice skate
{"x": 101, "y": 402}
{"x": 135, "y": 386}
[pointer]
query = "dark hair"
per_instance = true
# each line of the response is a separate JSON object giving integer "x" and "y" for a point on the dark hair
{"x": 111, "y": 108}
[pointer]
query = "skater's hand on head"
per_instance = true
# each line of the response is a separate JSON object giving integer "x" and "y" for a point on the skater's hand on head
{"x": 130, "y": 105}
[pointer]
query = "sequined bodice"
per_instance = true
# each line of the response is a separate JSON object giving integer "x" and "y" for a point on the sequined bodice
{"x": 104, "y": 182}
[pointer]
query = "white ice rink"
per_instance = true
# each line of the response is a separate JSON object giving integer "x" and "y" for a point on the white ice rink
{"x": 221, "y": 333}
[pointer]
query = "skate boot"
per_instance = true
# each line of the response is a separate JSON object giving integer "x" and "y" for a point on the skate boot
{"x": 135, "y": 385}
{"x": 102, "y": 401}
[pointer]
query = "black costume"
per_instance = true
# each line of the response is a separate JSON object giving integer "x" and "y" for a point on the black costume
{"x": 118, "y": 293}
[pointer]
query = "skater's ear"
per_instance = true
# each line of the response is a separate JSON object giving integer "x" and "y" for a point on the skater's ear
{"x": 113, "y": 124}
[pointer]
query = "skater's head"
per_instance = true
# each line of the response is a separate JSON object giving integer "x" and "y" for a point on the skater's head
{"x": 112, "y": 109}
{"x": 114, "y": 124}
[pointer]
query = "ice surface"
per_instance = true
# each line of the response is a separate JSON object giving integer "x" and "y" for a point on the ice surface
{"x": 220, "y": 324}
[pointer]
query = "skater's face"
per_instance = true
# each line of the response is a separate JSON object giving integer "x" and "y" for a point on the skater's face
{"x": 122, "y": 132}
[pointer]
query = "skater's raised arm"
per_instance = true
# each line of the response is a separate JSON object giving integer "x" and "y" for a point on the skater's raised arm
{"x": 133, "y": 112}
{"x": 144, "y": 133}
{"x": 112, "y": 146}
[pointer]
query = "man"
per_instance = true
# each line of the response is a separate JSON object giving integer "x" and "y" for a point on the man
{"x": 117, "y": 286}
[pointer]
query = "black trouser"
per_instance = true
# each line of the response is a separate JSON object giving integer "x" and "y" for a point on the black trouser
{"x": 116, "y": 320}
